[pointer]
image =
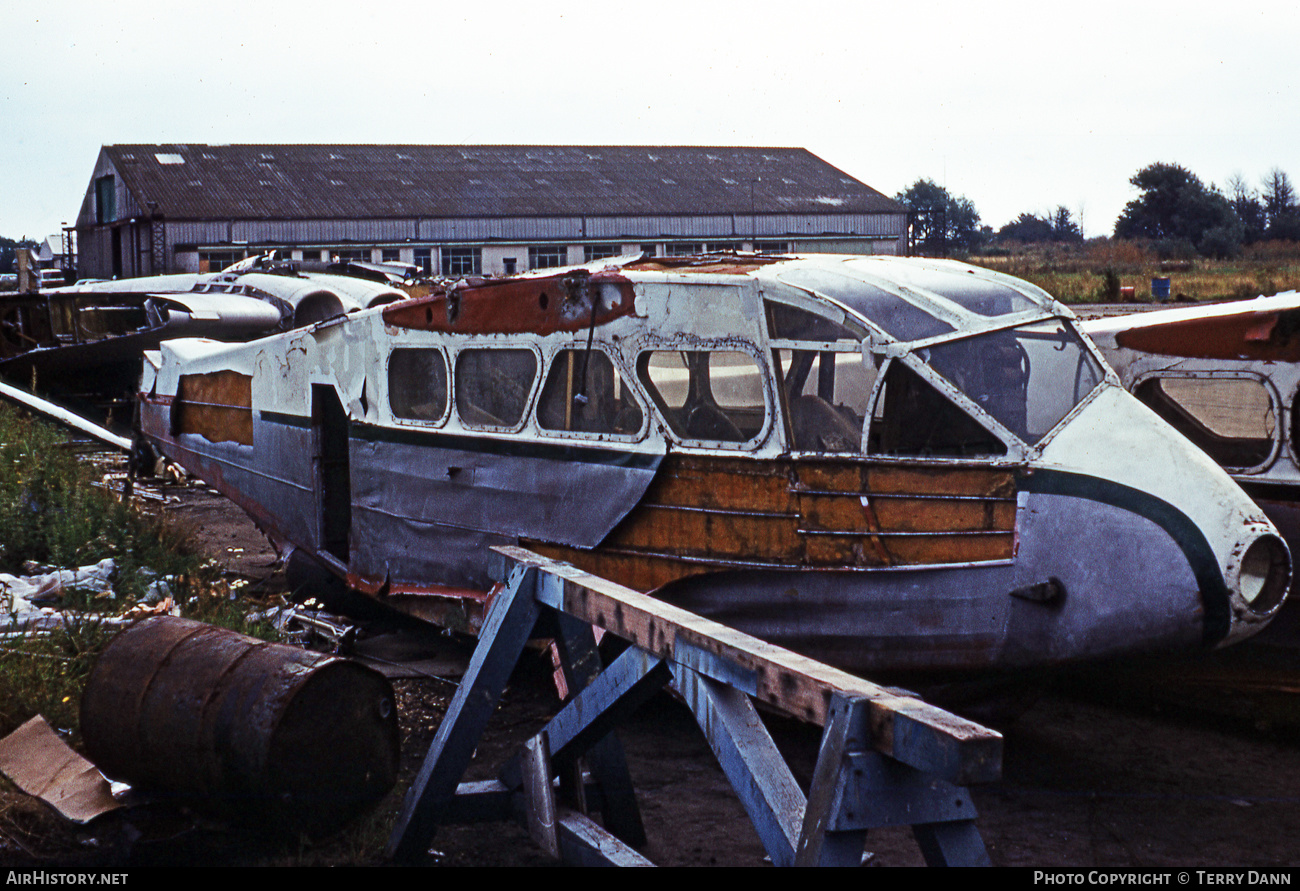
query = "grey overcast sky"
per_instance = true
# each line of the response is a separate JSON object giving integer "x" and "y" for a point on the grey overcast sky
{"x": 1019, "y": 106}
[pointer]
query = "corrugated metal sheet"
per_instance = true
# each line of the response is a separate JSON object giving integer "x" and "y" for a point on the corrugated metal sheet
{"x": 525, "y": 229}
{"x": 318, "y": 231}
{"x": 508, "y": 228}
{"x": 198, "y": 233}
{"x": 266, "y": 182}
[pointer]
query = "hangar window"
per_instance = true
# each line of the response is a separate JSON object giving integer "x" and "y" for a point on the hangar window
{"x": 547, "y": 256}
{"x": 462, "y": 261}
{"x": 215, "y": 261}
{"x": 706, "y": 396}
{"x": 417, "y": 384}
{"x": 493, "y": 385}
{"x": 1232, "y": 419}
{"x": 584, "y": 393}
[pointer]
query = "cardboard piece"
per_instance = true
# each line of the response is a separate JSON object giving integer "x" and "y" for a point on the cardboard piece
{"x": 43, "y": 765}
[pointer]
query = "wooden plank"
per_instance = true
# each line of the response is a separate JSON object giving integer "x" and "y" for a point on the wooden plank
{"x": 696, "y": 533}
{"x": 820, "y": 844}
{"x": 582, "y": 666}
{"x": 957, "y": 548}
{"x": 916, "y": 515}
{"x": 941, "y": 480}
{"x": 721, "y": 483}
{"x": 539, "y": 794}
{"x": 904, "y": 728}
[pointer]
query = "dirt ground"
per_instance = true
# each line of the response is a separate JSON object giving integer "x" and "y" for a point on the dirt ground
{"x": 1093, "y": 775}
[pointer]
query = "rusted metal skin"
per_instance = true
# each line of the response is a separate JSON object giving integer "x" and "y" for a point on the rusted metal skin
{"x": 300, "y": 740}
{"x": 1252, "y": 335}
{"x": 541, "y": 305}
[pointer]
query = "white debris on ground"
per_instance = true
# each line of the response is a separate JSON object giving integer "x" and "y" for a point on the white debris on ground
{"x": 23, "y": 599}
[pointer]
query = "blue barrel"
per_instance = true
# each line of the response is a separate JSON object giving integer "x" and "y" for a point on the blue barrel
{"x": 1160, "y": 289}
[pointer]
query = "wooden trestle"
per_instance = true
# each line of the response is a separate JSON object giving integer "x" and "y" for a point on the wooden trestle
{"x": 885, "y": 758}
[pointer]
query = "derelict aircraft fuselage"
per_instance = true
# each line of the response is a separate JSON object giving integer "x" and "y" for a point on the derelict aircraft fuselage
{"x": 884, "y": 463}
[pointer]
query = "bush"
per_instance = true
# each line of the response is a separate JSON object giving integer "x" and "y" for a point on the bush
{"x": 1109, "y": 290}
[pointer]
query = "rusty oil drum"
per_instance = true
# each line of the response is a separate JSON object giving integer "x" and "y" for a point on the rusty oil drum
{"x": 296, "y": 739}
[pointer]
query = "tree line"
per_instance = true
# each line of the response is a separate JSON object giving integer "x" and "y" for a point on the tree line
{"x": 1175, "y": 211}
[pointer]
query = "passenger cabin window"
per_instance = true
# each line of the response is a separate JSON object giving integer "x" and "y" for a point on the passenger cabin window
{"x": 913, "y": 419}
{"x": 493, "y": 385}
{"x": 417, "y": 384}
{"x": 826, "y": 398}
{"x": 584, "y": 393}
{"x": 706, "y": 396}
{"x": 1233, "y": 420}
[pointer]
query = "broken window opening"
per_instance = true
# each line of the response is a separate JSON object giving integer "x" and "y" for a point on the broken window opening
{"x": 417, "y": 384}
{"x": 1233, "y": 420}
{"x": 493, "y": 385}
{"x": 826, "y": 397}
{"x": 913, "y": 419}
{"x": 105, "y": 199}
{"x": 713, "y": 396}
{"x": 602, "y": 403}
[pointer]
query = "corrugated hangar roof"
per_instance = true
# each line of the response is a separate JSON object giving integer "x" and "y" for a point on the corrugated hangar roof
{"x": 377, "y": 181}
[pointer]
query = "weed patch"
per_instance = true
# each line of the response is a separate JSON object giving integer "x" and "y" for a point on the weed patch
{"x": 52, "y": 513}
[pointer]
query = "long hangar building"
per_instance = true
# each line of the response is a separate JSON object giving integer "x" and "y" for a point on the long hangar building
{"x": 467, "y": 209}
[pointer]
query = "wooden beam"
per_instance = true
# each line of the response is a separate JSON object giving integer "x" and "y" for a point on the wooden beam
{"x": 902, "y": 727}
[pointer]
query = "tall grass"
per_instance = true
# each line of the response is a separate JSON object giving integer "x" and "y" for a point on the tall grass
{"x": 1086, "y": 273}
